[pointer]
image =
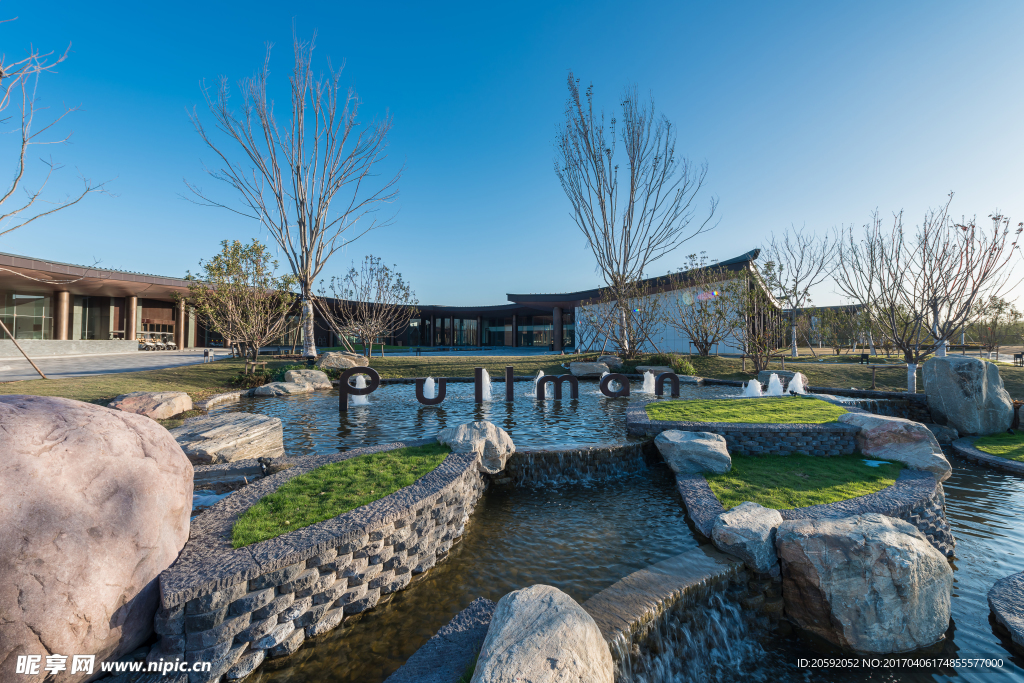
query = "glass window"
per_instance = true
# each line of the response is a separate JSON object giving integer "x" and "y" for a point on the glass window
{"x": 28, "y": 316}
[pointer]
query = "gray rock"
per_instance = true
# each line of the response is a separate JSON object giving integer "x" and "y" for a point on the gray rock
{"x": 317, "y": 378}
{"x": 748, "y": 532}
{"x": 95, "y": 505}
{"x": 277, "y": 636}
{"x": 613, "y": 362}
{"x": 869, "y": 583}
{"x": 246, "y": 665}
{"x": 1006, "y": 601}
{"x": 968, "y": 394}
{"x": 884, "y": 437}
{"x": 444, "y": 658}
{"x": 341, "y": 361}
{"x": 282, "y": 389}
{"x": 694, "y": 452}
{"x": 943, "y": 434}
{"x": 158, "y": 405}
{"x": 655, "y": 369}
{"x": 580, "y": 369}
{"x": 227, "y": 437}
{"x": 492, "y": 443}
{"x": 540, "y": 634}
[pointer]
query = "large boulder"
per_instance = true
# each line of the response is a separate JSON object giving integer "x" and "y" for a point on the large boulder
{"x": 95, "y": 504}
{"x": 341, "y": 361}
{"x": 613, "y": 362}
{"x": 580, "y": 369}
{"x": 944, "y": 434}
{"x": 540, "y": 634}
{"x": 694, "y": 452}
{"x": 226, "y": 437}
{"x": 158, "y": 405}
{"x": 492, "y": 443}
{"x": 968, "y": 394}
{"x": 868, "y": 583}
{"x": 282, "y": 389}
{"x": 317, "y": 378}
{"x": 654, "y": 369}
{"x": 748, "y": 532}
{"x": 883, "y": 437}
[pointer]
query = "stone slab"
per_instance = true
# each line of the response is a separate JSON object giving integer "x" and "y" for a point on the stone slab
{"x": 1006, "y": 600}
{"x": 227, "y": 437}
{"x": 445, "y": 657}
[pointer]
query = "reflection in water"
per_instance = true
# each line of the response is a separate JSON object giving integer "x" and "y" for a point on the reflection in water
{"x": 313, "y": 424}
{"x": 579, "y": 539}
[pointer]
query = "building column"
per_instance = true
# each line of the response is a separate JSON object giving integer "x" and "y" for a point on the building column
{"x": 62, "y": 309}
{"x": 433, "y": 331}
{"x": 451, "y": 330}
{"x": 131, "y": 309}
{"x": 515, "y": 330}
{"x": 556, "y": 327}
{"x": 179, "y": 325}
{"x": 479, "y": 330}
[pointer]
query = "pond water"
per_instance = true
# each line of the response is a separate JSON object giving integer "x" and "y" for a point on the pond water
{"x": 313, "y": 424}
{"x": 580, "y": 538}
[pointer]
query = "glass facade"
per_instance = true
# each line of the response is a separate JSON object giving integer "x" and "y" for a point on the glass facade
{"x": 28, "y": 316}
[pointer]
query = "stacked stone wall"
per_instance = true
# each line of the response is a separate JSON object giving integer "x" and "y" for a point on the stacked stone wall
{"x": 237, "y": 607}
{"x": 586, "y": 463}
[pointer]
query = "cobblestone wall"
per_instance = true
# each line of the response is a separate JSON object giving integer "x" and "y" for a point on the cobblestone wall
{"x": 586, "y": 463}
{"x": 237, "y": 607}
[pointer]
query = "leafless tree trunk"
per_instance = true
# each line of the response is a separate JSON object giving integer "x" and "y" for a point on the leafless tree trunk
{"x": 655, "y": 212}
{"x": 924, "y": 286}
{"x": 369, "y": 302}
{"x": 289, "y": 178}
{"x": 793, "y": 264}
{"x": 756, "y": 319}
{"x": 696, "y": 306}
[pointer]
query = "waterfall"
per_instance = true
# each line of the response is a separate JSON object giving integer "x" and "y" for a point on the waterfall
{"x": 648, "y": 387}
{"x": 428, "y": 388}
{"x": 796, "y": 385}
{"x": 708, "y": 643}
{"x": 774, "y": 386}
{"x": 752, "y": 389}
{"x": 487, "y": 386}
{"x": 359, "y": 400}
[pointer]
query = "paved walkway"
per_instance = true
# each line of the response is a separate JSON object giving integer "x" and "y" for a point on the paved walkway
{"x": 99, "y": 364}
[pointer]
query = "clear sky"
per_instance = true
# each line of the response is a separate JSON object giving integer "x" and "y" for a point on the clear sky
{"x": 807, "y": 113}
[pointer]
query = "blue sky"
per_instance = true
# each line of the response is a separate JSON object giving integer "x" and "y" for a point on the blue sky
{"x": 807, "y": 113}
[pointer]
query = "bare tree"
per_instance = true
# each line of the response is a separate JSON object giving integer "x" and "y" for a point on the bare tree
{"x": 240, "y": 296}
{"x": 793, "y": 264}
{"x": 995, "y": 322}
{"x": 924, "y": 285}
{"x": 628, "y": 319}
{"x": 696, "y": 306}
{"x": 655, "y": 211}
{"x": 370, "y": 302}
{"x": 757, "y": 325}
{"x": 289, "y": 177}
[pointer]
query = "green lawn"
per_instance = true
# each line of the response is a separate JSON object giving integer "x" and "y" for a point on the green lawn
{"x": 783, "y": 482}
{"x": 778, "y": 410}
{"x": 333, "y": 490}
{"x": 1009, "y": 446}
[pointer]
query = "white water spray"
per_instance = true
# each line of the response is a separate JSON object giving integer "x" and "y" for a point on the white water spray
{"x": 796, "y": 385}
{"x": 774, "y": 386}
{"x": 753, "y": 389}
{"x": 428, "y": 388}
{"x": 648, "y": 387}
{"x": 536, "y": 380}
{"x": 359, "y": 400}
{"x": 487, "y": 386}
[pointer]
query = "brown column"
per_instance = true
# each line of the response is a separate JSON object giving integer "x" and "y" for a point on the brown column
{"x": 556, "y": 327}
{"x": 179, "y": 325}
{"x": 451, "y": 330}
{"x": 131, "y": 323}
{"x": 61, "y": 311}
{"x": 479, "y": 330}
{"x": 515, "y": 330}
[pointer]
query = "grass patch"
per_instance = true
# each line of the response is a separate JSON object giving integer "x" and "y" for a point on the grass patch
{"x": 1009, "y": 446}
{"x": 779, "y": 410}
{"x": 334, "y": 489}
{"x": 783, "y": 482}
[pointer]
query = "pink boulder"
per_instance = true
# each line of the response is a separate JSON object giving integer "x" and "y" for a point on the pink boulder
{"x": 95, "y": 504}
{"x": 158, "y": 405}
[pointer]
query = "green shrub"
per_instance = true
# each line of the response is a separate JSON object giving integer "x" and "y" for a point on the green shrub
{"x": 256, "y": 378}
{"x": 679, "y": 363}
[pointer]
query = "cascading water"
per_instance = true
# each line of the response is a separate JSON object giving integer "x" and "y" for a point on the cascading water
{"x": 709, "y": 643}
{"x": 359, "y": 400}
{"x": 648, "y": 387}
{"x": 752, "y": 389}
{"x": 429, "y": 391}
{"x": 774, "y": 386}
{"x": 487, "y": 386}
{"x": 796, "y": 385}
